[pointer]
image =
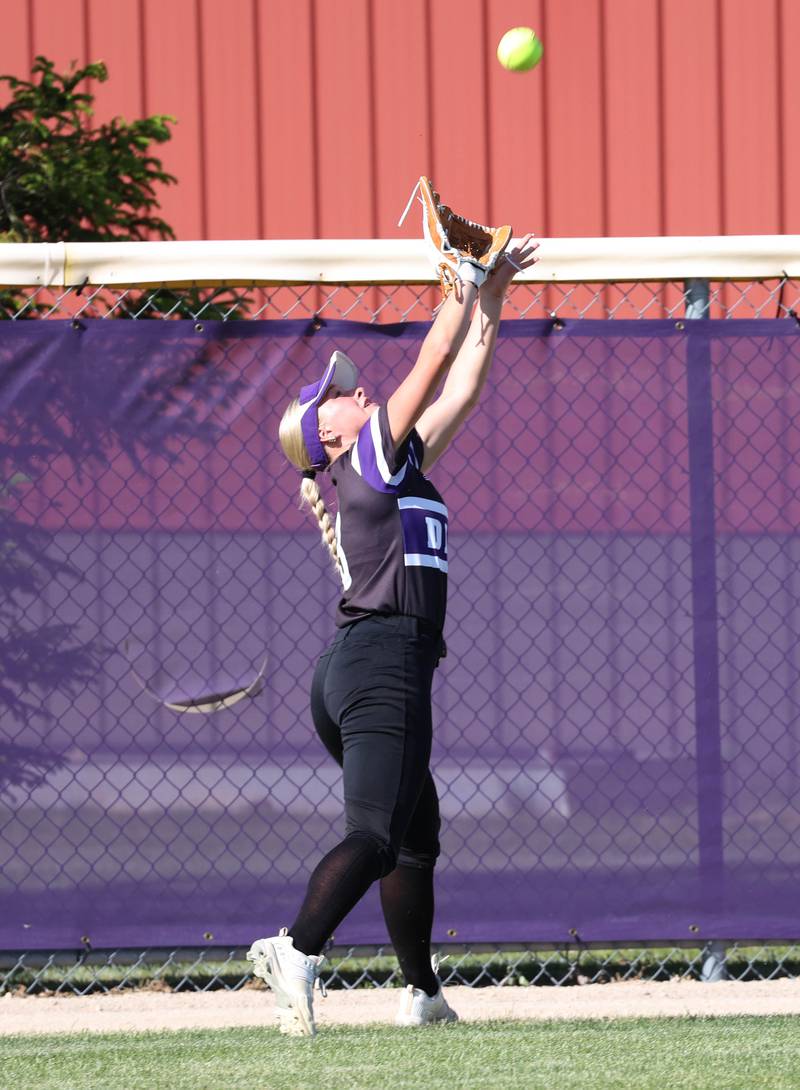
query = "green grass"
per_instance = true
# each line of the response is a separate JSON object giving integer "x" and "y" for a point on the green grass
{"x": 636, "y": 1054}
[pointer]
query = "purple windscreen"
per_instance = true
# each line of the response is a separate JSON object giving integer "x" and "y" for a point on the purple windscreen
{"x": 616, "y": 745}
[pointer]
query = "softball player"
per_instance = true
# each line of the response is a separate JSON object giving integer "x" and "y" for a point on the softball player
{"x": 371, "y": 691}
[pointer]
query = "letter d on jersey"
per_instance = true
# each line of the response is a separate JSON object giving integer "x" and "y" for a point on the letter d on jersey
{"x": 434, "y": 533}
{"x": 424, "y": 532}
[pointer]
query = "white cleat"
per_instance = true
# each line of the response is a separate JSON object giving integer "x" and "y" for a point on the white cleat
{"x": 288, "y": 1021}
{"x": 417, "y": 1008}
{"x": 291, "y": 976}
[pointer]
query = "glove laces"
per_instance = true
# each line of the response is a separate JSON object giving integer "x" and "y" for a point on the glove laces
{"x": 414, "y": 192}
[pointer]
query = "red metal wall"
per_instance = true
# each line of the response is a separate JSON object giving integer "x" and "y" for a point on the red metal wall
{"x": 313, "y": 118}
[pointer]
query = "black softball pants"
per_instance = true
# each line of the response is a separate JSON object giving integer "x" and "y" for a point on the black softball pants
{"x": 371, "y": 706}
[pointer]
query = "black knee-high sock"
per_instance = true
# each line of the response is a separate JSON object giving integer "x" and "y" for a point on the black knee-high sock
{"x": 338, "y": 883}
{"x": 407, "y": 902}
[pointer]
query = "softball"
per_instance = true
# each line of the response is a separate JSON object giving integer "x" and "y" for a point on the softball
{"x": 519, "y": 49}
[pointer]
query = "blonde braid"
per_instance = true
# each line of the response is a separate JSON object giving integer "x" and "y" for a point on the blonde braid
{"x": 310, "y": 494}
{"x": 290, "y": 434}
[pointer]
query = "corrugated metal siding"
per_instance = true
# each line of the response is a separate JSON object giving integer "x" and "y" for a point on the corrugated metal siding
{"x": 313, "y": 118}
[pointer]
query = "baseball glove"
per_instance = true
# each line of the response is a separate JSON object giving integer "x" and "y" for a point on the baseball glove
{"x": 461, "y": 248}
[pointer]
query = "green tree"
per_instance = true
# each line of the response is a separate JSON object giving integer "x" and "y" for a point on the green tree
{"x": 63, "y": 178}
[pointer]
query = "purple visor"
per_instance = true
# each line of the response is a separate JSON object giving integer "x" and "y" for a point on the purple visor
{"x": 341, "y": 372}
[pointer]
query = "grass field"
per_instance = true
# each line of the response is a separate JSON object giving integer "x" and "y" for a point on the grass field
{"x": 636, "y": 1054}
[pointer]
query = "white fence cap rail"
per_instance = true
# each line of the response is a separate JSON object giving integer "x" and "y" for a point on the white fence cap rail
{"x": 382, "y": 261}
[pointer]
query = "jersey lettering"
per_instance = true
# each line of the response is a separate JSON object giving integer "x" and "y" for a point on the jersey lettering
{"x": 424, "y": 525}
{"x": 434, "y": 533}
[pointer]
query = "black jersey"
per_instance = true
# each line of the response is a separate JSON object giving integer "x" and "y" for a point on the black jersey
{"x": 391, "y": 529}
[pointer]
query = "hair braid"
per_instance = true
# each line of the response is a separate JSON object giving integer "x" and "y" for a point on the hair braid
{"x": 290, "y": 434}
{"x": 310, "y": 494}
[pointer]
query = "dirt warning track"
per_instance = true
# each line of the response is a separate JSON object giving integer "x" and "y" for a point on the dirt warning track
{"x": 148, "y": 1011}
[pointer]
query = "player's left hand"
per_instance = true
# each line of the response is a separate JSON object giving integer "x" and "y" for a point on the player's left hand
{"x": 520, "y": 257}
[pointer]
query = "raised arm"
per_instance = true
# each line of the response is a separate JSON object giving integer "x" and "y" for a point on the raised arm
{"x": 439, "y": 349}
{"x": 440, "y": 422}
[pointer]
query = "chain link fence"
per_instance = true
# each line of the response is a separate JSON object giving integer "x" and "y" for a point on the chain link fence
{"x": 398, "y": 303}
{"x": 551, "y": 963}
{"x": 478, "y": 965}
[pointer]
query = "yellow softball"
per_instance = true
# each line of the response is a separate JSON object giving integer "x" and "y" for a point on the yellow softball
{"x": 519, "y": 49}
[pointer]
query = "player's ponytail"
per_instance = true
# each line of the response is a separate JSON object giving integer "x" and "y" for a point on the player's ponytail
{"x": 291, "y": 439}
{"x": 310, "y": 493}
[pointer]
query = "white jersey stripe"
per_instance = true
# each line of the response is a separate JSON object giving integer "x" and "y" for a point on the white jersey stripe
{"x": 346, "y": 578}
{"x": 424, "y": 560}
{"x": 380, "y": 457}
{"x": 426, "y": 505}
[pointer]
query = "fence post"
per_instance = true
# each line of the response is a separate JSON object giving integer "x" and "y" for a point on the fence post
{"x": 713, "y": 967}
{"x": 704, "y": 620}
